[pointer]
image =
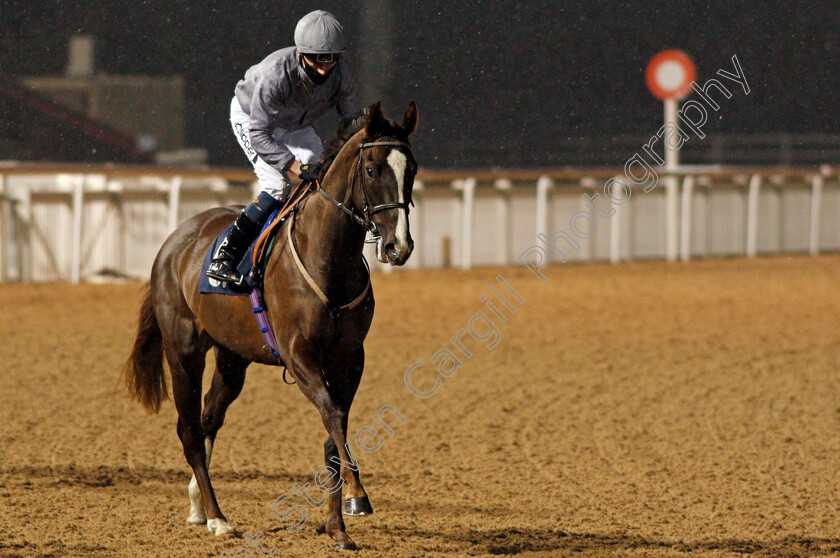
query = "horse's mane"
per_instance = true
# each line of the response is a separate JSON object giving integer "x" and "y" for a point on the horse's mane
{"x": 348, "y": 128}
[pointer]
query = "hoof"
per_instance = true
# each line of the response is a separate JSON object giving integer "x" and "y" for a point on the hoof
{"x": 342, "y": 540}
{"x": 220, "y": 527}
{"x": 357, "y": 506}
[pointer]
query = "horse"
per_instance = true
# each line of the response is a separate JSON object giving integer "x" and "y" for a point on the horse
{"x": 366, "y": 187}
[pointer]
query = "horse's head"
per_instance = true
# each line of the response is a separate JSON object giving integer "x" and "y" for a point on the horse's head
{"x": 385, "y": 172}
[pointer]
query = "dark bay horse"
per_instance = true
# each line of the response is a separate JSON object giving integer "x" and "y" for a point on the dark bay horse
{"x": 367, "y": 187}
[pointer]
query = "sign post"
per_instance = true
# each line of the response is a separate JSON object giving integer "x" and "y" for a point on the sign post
{"x": 668, "y": 76}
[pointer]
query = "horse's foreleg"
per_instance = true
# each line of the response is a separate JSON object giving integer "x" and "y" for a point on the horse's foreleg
{"x": 334, "y": 411}
{"x": 334, "y": 526}
{"x": 334, "y": 417}
{"x": 344, "y": 375}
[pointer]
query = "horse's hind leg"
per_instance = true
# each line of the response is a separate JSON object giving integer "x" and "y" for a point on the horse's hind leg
{"x": 227, "y": 384}
{"x": 185, "y": 353}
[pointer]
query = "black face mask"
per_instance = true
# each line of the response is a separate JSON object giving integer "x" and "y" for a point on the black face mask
{"x": 313, "y": 74}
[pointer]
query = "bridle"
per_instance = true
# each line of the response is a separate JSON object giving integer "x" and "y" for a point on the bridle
{"x": 368, "y": 211}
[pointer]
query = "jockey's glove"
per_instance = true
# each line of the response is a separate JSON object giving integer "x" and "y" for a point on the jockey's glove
{"x": 310, "y": 172}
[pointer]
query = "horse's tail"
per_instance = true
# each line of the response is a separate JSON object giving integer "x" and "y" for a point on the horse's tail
{"x": 143, "y": 373}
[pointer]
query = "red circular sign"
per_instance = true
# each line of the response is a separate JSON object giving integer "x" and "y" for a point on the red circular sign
{"x": 669, "y": 75}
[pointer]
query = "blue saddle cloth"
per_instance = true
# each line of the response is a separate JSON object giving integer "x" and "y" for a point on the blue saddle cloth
{"x": 213, "y": 286}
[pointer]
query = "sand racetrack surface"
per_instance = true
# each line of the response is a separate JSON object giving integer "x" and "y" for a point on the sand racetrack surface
{"x": 638, "y": 409}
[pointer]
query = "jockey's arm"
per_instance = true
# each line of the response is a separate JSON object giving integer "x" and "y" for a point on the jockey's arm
{"x": 266, "y": 110}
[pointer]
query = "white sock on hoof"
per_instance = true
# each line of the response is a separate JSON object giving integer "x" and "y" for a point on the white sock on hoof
{"x": 197, "y": 512}
{"x": 219, "y": 527}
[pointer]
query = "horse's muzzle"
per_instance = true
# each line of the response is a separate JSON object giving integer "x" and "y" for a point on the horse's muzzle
{"x": 398, "y": 254}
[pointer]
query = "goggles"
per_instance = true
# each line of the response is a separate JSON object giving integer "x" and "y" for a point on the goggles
{"x": 322, "y": 58}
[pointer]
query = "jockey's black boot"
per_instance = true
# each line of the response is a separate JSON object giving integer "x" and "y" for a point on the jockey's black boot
{"x": 245, "y": 229}
{"x": 231, "y": 250}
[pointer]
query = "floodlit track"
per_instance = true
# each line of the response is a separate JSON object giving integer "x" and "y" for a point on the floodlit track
{"x": 642, "y": 409}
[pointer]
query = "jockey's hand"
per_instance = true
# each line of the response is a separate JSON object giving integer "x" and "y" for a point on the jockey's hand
{"x": 310, "y": 172}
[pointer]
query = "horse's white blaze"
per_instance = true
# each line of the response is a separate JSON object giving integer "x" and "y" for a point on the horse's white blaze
{"x": 398, "y": 163}
{"x": 197, "y": 513}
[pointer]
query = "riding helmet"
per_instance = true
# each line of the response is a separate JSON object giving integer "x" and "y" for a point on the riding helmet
{"x": 319, "y": 32}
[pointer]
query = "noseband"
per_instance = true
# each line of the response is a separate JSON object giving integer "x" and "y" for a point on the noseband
{"x": 368, "y": 211}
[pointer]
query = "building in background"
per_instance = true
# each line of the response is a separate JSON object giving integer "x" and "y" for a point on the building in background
{"x": 89, "y": 116}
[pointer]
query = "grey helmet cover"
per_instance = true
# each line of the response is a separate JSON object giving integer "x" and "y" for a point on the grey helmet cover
{"x": 319, "y": 32}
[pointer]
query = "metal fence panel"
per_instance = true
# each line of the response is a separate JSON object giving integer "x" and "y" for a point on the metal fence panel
{"x": 647, "y": 236}
{"x": 563, "y": 204}
{"x": 796, "y": 215}
{"x": 699, "y": 221}
{"x": 102, "y": 251}
{"x": 49, "y": 242}
{"x": 145, "y": 230}
{"x": 769, "y": 221}
{"x": 440, "y": 228}
{"x": 726, "y": 218}
{"x": 489, "y": 239}
{"x": 523, "y": 232}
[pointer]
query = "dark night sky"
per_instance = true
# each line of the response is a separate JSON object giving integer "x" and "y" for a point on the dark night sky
{"x": 497, "y": 83}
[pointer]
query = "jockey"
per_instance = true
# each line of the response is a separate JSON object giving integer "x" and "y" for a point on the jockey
{"x": 271, "y": 115}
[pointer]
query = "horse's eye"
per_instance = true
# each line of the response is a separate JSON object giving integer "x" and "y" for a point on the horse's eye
{"x": 370, "y": 172}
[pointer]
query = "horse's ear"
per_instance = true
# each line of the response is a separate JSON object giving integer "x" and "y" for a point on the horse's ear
{"x": 409, "y": 121}
{"x": 375, "y": 120}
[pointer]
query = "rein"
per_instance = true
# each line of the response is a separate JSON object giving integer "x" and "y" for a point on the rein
{"x": 364, "y": 219}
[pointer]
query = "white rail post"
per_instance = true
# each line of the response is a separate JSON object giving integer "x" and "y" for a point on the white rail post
{"x": 672, "y": 161}
{"x": 587, "y": 245}
{"x": 752, "y": 215}
{"x": 685, "y": 218}
{"x": 503, "y": 186}
{"x": 5, "y": 223}
{"x": 22, "y": 231}
{"x": 671, "y": 221}
{"x": 417, "y": 224}
{"x": 544, "y": 185}
{"x": 174, "y": 202}
{"x": 115, "y": 187}
{"x": 816, "y": 202}
{"x": 468, "y": 203}
{"x": 78, "y": 184}
{"x": 672, "y": 156}
{"x": 615, "y": 236}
